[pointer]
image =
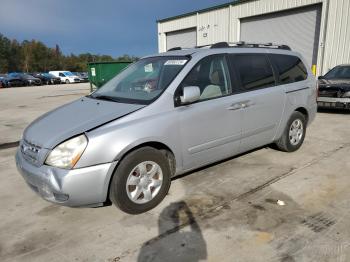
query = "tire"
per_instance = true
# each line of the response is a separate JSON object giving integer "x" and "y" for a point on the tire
{"x": 67, "y": 81}
{"x": 291, "y": 143}
{"x": 129, "y": 172}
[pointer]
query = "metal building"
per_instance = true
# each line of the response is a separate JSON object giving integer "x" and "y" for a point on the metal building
{"x": 318, "y": 29}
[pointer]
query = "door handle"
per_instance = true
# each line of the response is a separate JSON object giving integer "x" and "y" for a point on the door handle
{"x": 235, "y": 106}
{"x": 241, "y": 105}
{"x": 249, "y": 103}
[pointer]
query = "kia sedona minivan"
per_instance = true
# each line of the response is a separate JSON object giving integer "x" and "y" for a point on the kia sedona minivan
{"x": 165, "y": 115}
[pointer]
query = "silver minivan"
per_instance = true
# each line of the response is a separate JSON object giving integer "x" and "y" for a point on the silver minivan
{"x": 163, "y": 116}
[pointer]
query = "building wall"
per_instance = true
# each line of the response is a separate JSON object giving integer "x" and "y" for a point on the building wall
{"x": 224, "y": 25}
{"x": 337, "y": 38}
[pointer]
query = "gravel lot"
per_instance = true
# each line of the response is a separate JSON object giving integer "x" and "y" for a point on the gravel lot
{"x": 225, "y": 212}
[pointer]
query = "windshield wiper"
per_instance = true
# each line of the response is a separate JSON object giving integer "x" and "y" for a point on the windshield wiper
{"x": 106, "y": 98}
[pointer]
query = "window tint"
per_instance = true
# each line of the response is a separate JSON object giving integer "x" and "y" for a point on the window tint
{"x": 254, "y": 71}
{"x": 290, "y": 68}
{"x": 211, "y": 75}
{"x": 61, "y": 74}
{"x": 340, "y": 72}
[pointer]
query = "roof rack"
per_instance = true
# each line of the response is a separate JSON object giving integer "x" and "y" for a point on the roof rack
{"x": 174, "y": 49}
{"x": 241, "y": 44}
{"x": 249, "y": 45}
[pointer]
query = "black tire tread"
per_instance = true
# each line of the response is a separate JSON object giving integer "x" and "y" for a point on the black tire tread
{"x": 117, "y": 193}
{"x": 283, "y": 143}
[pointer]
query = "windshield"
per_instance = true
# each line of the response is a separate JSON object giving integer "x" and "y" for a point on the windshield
{"x": 143, "y": 81}
{"x": 339, "y": 72}
{"x": 48, "y": 75}
{"x": 27, "y": 76}
{"x": 68, "y": 74}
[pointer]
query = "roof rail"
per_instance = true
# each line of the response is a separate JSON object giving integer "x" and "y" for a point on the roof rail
{"x": 220, "y": 45}
{"x": 249, "y": 45}
{"x": 237, "y": 44}
{"x": 175, "y": 48}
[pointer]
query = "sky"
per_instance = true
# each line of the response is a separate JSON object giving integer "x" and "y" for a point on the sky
{"x": 111, "y": 27}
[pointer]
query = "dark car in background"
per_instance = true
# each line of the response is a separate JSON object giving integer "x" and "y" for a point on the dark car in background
{"x": 83, "y": 76}
{"x": 3, "y": 82}
{"x": 334, "y": 88}
{"x": 28, "y": 80}
{"x": 12, "y": 81}
{"x": 47, "y": 78}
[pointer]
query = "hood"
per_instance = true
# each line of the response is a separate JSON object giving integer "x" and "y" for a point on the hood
{"x": 74, "y": 118}
{"x": 335, "y": 82}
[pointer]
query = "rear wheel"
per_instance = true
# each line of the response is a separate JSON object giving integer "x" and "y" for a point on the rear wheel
{"x": 294, "y": 133}
{"x": 141, "y": 181}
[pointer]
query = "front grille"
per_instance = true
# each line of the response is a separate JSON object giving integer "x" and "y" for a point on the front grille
{"x": 331, "y": 92}
{"x": 30, "y": 152}
{"x": 328, "y": 93}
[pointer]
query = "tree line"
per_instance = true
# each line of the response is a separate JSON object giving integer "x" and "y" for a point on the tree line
{"x": 35, "y": 56}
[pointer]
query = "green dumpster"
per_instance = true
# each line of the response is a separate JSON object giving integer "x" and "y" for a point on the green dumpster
{"x": 101, "y": 72}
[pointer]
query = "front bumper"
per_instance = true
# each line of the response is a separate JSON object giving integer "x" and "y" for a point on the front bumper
{"x": 77, "y": 187}
{"x": 334, "y": 102}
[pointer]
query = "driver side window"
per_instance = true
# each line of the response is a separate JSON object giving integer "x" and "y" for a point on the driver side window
{"x": 211, "y": 75}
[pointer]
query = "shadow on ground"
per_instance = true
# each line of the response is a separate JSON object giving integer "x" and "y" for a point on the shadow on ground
{"x": 175, "y": 242}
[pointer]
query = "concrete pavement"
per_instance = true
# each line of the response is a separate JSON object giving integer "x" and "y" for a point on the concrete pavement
{"x": 230, "y": 211}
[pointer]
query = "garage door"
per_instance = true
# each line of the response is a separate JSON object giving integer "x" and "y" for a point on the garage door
{"x": 298, "y": 28}
{"x": 182, "y": 38}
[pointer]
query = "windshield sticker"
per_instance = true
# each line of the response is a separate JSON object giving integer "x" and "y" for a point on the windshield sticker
{"x": 148, "y": 68}
{"x": 175, "y": 62}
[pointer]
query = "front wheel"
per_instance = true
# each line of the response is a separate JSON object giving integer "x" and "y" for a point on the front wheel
{"x": 294, "y": 133}
{"x": 141, "y": 181}
{"x": 67, "y": 81}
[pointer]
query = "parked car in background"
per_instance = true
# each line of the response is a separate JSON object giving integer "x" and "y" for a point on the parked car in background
{"x": 47, "y": 78}
{"x": 83, "y": 76}
{"x": 163, "y": 116}
{"x": 3, "y": 82}
{"x": 66, "y": 76}
{"x": 334, "y": 88}
{"x": 27, "y": 79}
{"x": 13, "y": 81}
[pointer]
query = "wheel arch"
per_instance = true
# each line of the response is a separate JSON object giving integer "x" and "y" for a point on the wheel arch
{"x": 303, "y": 111}
{"x": 154, "y": 144}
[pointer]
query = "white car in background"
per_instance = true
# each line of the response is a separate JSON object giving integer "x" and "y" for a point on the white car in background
{"x": 66, "y": 76}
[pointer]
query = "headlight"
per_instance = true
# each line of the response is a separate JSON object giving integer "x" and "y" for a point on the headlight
{"x": 67, "y": 154}
{"x": 347, "y": 94}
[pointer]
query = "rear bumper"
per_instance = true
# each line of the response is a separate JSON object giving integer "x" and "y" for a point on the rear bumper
{"x": 333, "y": 102}
{"x": 77, "y": 187}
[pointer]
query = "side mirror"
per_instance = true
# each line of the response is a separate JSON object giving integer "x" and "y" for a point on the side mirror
{"x": 190, "y": 94}
{"x": 320, "y": 77}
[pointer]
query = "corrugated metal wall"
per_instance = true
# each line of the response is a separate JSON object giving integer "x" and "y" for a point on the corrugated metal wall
{"x": 183, "y": 38}
{"x": 298, "y": 28}
{"x": 212, "y": 26}
{"x": 224, "y": 25}
{"x": 337, "y": 42}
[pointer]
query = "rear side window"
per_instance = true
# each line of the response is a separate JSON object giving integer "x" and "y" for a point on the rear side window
{"x": 254, "y": 71}
{"x": 290, "y": 68}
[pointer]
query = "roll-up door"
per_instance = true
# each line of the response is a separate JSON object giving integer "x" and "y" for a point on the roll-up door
{"x": 182, "y": 38}
{"x": 298, "y": 28}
